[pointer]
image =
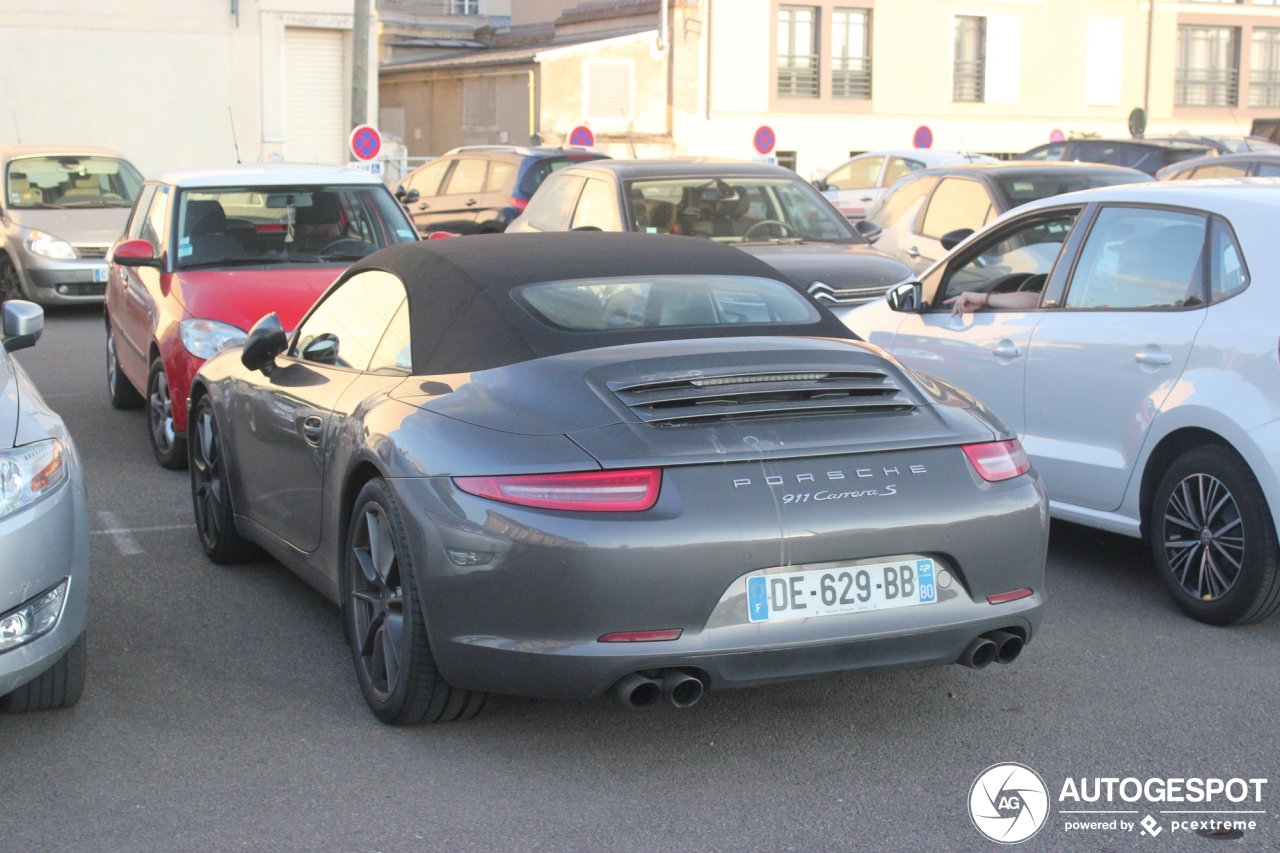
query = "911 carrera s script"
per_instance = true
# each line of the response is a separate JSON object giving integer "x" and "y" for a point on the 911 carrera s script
{"x": 805, "y": 497}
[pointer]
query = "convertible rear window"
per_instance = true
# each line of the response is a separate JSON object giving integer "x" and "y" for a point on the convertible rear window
{"x": 603, "y": 304}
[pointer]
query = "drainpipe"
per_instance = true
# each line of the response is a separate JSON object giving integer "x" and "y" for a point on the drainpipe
{"x": 360, "y": 64}
{"x": 1146, "y": 81}
{"x": 663, "y": 34}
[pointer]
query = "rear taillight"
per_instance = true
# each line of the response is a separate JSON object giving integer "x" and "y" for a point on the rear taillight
{"x": 518, "y": 203}
{"x": 590, "y": 491}
{"x": 998, "y": 460}
{"x": 643, "y": 636}
{"x": 1006, "y": 597}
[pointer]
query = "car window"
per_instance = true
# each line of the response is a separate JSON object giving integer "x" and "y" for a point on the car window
{"x": 956, "y": 203}
{"x": 1167, "y": 157}
{"x": 1268, "y": 170}
{"x": 1017, "y": 261}
{"x": 597, "y": 207}
{"x": 394, "y": 355}
{"x": 900, "y": 200}
{"x": 550, "y": 208}
{"x": 499, "y": 174}
{"x": 354, "y": 317}
{"x": 427, "y": 179}
{"x": 1222, "y": 170}
{"x": 858, "y": 174}
{"x": 605, "y": 304}
{"x": 467, "y": 177}
{"x": 899, "y": 166}
{"x": 1022, "y": 187}
{"x": 154, "y": 228}
{"x": 71, "y": 182}
{"x": 138, "y": 218}
{"x": 1113, "y": 154}
{"x": 1048, "y": 152}
{"x": 1227, "y": 273}
{"x": 540, "y": 170}
{"x": 1140, "y": 258}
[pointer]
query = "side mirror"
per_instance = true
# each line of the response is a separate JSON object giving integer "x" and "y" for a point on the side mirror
{"x": 869, "y": 230}
{"x": 322, "y": 350}
{"x": 820, "y": 185}
{"x": 400, "y": 193}
{"x": 23, "y": 323}
{"x": 411, "y": 196}
{"x": 906, "y": 298}
{"x": 954, "y": 238}
{"x": 265, "y": 341}
{"x": 134, "y": 253}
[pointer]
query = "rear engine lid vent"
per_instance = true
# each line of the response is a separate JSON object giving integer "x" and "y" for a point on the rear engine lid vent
{"x": 698, "y": 398}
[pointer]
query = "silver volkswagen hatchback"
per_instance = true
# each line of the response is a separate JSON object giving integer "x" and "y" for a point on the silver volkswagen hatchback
{"x": 1128, "y": 337}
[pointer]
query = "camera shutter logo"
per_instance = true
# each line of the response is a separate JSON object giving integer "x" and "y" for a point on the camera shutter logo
{"x": 1008, "y": 803}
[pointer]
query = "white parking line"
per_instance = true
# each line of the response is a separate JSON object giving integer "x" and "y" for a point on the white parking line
{"x": 122, "y": 537}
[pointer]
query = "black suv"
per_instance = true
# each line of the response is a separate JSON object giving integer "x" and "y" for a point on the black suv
{"x": 1145, "y": 155}
{"x": 481, "y": 189}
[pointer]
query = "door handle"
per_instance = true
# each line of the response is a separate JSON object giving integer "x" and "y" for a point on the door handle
{"x": 866, "y": 198}
{"x": 423, "y": 206}
{"x": 1152, "y": 358}
{"x": 313, "y": 430}
{"x": 1007, "y": 351}
{"x": 912, "y": 251}
{"x": 471, "y": 202}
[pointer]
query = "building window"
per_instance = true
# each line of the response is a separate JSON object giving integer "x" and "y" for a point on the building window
{"x": 464, "y": 7}
{"x": 608, "y": 89}
{"x": 1264, "y": 68}
{"x": 797, "y": 52}
{"x": 851, "y": 53}
{"x": 1207, "y": 74}
{"x": 969, "y": 74}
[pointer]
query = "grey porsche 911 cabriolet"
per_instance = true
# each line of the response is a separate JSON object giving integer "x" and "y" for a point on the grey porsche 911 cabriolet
{"x": 560, "y": 465}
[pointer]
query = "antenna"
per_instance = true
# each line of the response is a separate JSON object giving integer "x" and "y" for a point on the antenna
{"x": 16, "y": 129}
{"x": 1236, "y": 121}
{"x": 964, "y": 147}
{"x": 234, "y": 141}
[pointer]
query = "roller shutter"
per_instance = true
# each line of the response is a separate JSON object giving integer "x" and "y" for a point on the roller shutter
{"x": 315, "y": 96}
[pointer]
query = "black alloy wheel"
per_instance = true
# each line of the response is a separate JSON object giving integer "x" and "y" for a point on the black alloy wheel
{"x": 10, "y": 283}
{"x": 385, "y": 625}
{"x": 1213, "y": 539}
{"x": 210, "y": 491}
{"x": 119, "y": 389}
{"x": 169, "y": 447}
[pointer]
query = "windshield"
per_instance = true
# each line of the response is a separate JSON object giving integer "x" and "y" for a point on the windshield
{"x": 287, "y": 225}
{"x": 1022, "y": 188}
{"x": 736, "y": 210}
{"x": 70, "y": 182}
{"x": 603, "y": 304}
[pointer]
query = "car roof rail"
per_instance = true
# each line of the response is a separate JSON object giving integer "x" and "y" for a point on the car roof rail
{"x": 514, "y": 149}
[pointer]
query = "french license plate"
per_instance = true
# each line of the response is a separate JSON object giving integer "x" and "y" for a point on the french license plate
{"x": 99, "y": 274}
{"x": 828, "y": 592}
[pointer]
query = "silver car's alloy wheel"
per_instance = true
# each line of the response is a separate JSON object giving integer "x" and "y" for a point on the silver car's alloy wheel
{"x": 206, "y": 475}
{"x": 378, "y": 602}
{"x": 161, "y": 411}
{"x": 1204, "y": 537}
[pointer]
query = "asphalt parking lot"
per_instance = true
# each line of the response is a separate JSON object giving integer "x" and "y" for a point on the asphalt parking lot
{"x": 222, "y": 713}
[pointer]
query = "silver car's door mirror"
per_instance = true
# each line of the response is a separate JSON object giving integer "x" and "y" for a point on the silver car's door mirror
{"x": 23, "y": 323}
{"x": 265, "y": 341}
{"x": 907, "y": 297}
{"x": 869, "y": 230}
{"x": 954, "y": 238}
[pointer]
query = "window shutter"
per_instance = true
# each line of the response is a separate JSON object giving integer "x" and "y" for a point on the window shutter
{"x": 609, "y": 90}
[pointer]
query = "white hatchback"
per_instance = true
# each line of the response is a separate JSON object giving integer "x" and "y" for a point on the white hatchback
{"x": 855, "y": 186}
{"x": 1135, "y": 354}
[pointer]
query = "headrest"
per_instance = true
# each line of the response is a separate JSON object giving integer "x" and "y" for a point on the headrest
{"x": 18, "y": 182}
{"x": 324, "y": 210}
{"x": 205, "y": 216}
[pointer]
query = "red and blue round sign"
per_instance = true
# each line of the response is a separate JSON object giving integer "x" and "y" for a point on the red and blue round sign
{"x": 582, "y": 137}
{"x": 765, "y": 139}
{"x": 923, "y": 137}
{"x": 366, "y": 142}
{"x": 1056, "y": 136}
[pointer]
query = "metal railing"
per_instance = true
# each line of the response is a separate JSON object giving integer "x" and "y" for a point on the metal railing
{"x": 797, "y": 76}
{"x": 851, "y": 77}
{"x": 1206, "y": 87}
{"x": 968, "y": 80}
{"x": 1264, "y": 88}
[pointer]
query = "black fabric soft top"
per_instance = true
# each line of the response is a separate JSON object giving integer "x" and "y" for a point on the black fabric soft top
{"x": 462, "y": 316}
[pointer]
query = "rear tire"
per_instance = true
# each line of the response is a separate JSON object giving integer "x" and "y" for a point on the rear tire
{"x": 1213, "y": 540}
{"x": 384, "y": 621}
{"x": 169, "y": 447}
{"x": 211, "y": 491}
{"x": 59, "y": 686}
{"x": 119, "y": 389}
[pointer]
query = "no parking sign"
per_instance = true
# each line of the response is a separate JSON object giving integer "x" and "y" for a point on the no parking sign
{"x": 765, "y": 139}
{"x": 366, "y": 142}
{"x": 582, "y": 137}
{"x": 923, "y": 137}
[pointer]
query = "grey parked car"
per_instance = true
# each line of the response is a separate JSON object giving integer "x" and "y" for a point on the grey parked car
{"x": 44, "y": 537}
{"x": 559, "y": 465}
{"x": 63, "y": 207}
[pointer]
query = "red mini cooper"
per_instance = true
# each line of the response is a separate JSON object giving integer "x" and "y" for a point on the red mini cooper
{"x": 208, "y": 252}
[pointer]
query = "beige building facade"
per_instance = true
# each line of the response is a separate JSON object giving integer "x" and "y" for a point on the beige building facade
{"x": 994, "y": 76}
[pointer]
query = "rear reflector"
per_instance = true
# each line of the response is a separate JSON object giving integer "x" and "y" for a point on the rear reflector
{"x": 642, "y": 636}
{"x": 589, "y": 491}
{"x": 998, "y": 460}
{"x": 518, "y": 203}
{"x": 1006, "y": 597}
